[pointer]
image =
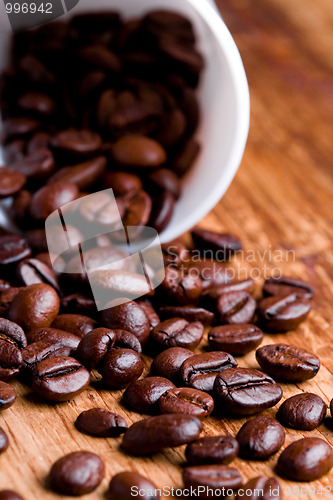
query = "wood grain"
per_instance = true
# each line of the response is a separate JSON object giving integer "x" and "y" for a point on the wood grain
{"x": 280, "y": 201}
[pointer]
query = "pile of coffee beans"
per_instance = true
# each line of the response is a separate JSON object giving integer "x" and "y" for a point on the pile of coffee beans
{"x": 96, "y": 103}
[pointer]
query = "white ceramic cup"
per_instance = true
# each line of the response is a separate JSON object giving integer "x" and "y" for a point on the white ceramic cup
{"x": 224, "y": 99}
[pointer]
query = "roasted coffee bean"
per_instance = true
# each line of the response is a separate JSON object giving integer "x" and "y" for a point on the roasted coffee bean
{"x": 32, "y": 271}
{"x": 51, "y": 197}
{"x": 119, "y": 282}
{"x": 210, "y": 296}
{"x": 99, "y": 57}
{"x": 174, "y": 253}
{"x": 6, "y": 298}
{"x": 121, "y": 367}
{"x": 281, "y": 313}
{"x": 101, "y": 423}
{"x": 260, "y": 488}
{"x": 60, "y": 378}
{"x": 78, "y": 303}
{"x": 189, "y": 313}
{"x": 303, "y": 411}
{"x": 77, "y": 473}
{"x": 235, "y": 339}
{"x": 7, "y": 395}
{"x": 126, "y": 340}
{"x": 94, "y": 346}
{"x": 36, "y": 165}
{"x": 286, "y": 286}
{"x": 14, "y": 150}
{"x": 236, "y": 308}
{"x": 34, "y": 306}
{"x": 9, "y": 495}
{"x": 288, "y": 362}
{"x": 180, "y": 288}
{"x": 244, "y": 391}
{"x": 186, "y": 400}
{"x": 200, "y": 370}
{"x": 164, "y": 179}
{"x": 78, "y": 143}
{"x": 150, "y": 312}
{"x": 260, "y": 438}
{"x": 38, "y": 141}
{"x": 177, "y": 332}
{"x": 306, "y": 459}
{"x": 83, "y": 175}
{"x": 12, "y": 339}
{"x": 167, "y": 364}
{"x": 138, "y": 151}
{"x": 47, "y": 258}
{"x": 211, "y": 272}
{"x": 4, "y": 442}
{"x": 137, "y": 208}
{"x": 13, "y": 128}
{"x": 122, "y": 183}
{"x": 164, "y": 431}
{"x": 12, "y": 332}
{"x": 162, "y": 211}
{"x": 37, "y": 103}
{"x": 212, "y": 450}
{"x": 211, "y": 478}
{"x": 10, "y": 182}
{"x": 143, "y": 395}
{"x": 13, "y": 249}
{"x": 222, "y": 245}
{"x": 78, "y": 324}
{"x": 37, "y": 240}
{"x": 185, "y": 157}
{"x": 127, "y": 316}
{"x": 54, "y": 335}
{"x": 122, "y": 484}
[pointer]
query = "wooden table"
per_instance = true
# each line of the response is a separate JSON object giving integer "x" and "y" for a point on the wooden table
{"x": 280, "y": 201}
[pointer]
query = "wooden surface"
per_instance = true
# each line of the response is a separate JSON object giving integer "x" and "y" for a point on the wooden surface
{"x": 280, "y": 200}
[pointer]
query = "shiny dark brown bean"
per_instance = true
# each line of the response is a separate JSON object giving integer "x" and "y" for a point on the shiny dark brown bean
{"x": 11, "y": 182}
{"x": 286, "y": 286}
{"x": 306, "y": 459}
{"x": 94, "y": 346}
{"x": 54, "y": 335}
{"x": 260, "y": 438}
{"x": 40, "y": 140}
{"x": 200, "y": 370}
{"x": 174, "y": 253}
{"x": 128, "y": 316}
{"x": 6, "y": 298}
{"x": 32, "y": 271}
{"x": 127, "y": 340}
{"x": 10, "y": 495}
{"x": 186, "y": 400}
{"x": 12, "y": 340}
{"x": 177, "y": 333}
{"x": 37, "y": 103}
{"x": 235, "y": 339}
{"x": 34, "y": 306}
{"x": 268, "y": 489}
{"x": 121, "y": 367}
{"x": 167, "y": 364}
{"x": 78, "y": 324}
{"x": 236, "y": 308}
{"x": 288, "y": 362}
{"x": 100, "y": 57}
{"x": 119, "y": 283}
{"x": 162, "y": 211}
{"x": 281, "y": 313}
{"x": 7, "y": 395}
{"x": 36, "y": 165}
{"x": 78, "y": 303}
{"x": 60, "y": 378}
{"x": 83, "y": 175}
{"x": 212, "y": 450}
{"x": 210, "y": 296}
{"x": 211, "y": 477}
{"x": 164, "y": 431}
{"x": 222, "y": 245}
{"x": 4, "y": 441}
{"x": 13, "y": 249}
{"x": 180, "y": 287}
{"x": 164, "y": 179}
{"x": 150, "y": 312}
{"x": 122, "y": 183}
{"x": 18, "y": 127}
{"x": 138, "y": 151}
{"x": 244, "y": 391}
{"x": 77, "y": 473}
{"x": 303, "y": 411}
{"x": 79, "y": 143}
{"x": 143, "y": 395}
{"x": 122, "y": 484}
{"x": 189, "y": 313}
{"x": 137, "y": 209}
{"x": 12, "y": 332}
{"x": 186, "y": 157}
{"x": 101, "y": 423}
{"x": 51, "y": 197}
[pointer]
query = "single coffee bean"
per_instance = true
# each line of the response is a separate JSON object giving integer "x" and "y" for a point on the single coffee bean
{"x": 9, "y": 495}
{"x": 244, "y": 391}
{"x": 126, "y": 340}
{"x": 162, "y": 211}
{"x": 306, "y": 459}
{"x": 127, "y": 316}
{"x": 54, "y": 335}
{"x": 119, "y": 282}
{"x": 10, "y": 182}
{"x": 84, "y": 175}
{"x": 212, "y": 450}
{"x": 52, "y": 197}
{"x": 235, "y": 339}
{"x": 38, "y": 141}
{"x": 78, "y": 303}
{"x": 185, "y": 157}
{"x": 37, "y": 103}
{"x": 143, "y": 395}
{"x": 100, "y": 57}
{"x": 6, "y": 298}
{"x": 236, "y": 308}
{"x": 186, "y": 400}
{"x": 32, "y": 271}
{"x": 260, "y": 438}
{"x": 13, "y": 249}
{"x": 77, "y": 473}
{"x": 60, "y": 378}
{"x": 7, "y": 395}
{"x": 281, "y": 313}
{"x": 36, "y": 165}
{"x": 137, "y": 210}
{"x": 122, "y": 484}
{"x": 286, "y": 286}
{"x": 78, "y": 143}
{"x": 164, "y": 179}
{"x": 222, "y": 245}
{"x": 34, "y": 306}
{"x": 211, "y": 478}
{"x": 260, "y": 488}
{"x": 13, "y": 128}
{"x": 94, "y": 346}
{"x": 78, "y": 324}
{"x": 4, "y": 442}
{"x": 210, "y": 296}
{"x": 138, "y": 151}
{"x": 174, "y": 253}
{"x": 101, "y": 423}
{"x": 122, "y": 183}
{"x": 288, "y": 362}
{"x": 12, "y": 332}
{"x": 177, "y": 332}
{"x": 200, "y": 370}
{"x": 150, "y": 312}
{"x": 180, "y": 288}
{"x": 167, "y": 364}
{"x": 164, "y": 431}
{"x": 189, "y": 313}
{"x": 303, "y": 411}
{"x": 121, "y": 367}
{"x": 12, "y": 340}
